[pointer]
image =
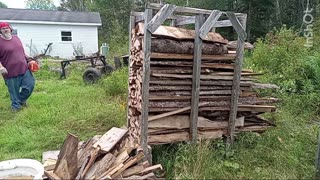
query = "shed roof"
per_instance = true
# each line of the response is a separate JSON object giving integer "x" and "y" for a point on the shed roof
{"x": 21, "y": 15}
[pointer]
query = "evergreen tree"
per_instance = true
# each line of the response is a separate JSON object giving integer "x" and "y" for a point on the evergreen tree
{"x": 3, "y": 5}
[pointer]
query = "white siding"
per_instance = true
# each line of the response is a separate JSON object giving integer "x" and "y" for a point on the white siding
{"x": 42, "y": 35}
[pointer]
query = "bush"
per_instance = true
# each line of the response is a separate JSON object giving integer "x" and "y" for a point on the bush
{"x": 285, "y": 61}
{"x": 116, "y": 83}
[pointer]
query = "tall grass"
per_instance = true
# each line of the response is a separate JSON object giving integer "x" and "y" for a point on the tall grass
{"x": 55, "y": 108}
{"x": 284, "y": 152}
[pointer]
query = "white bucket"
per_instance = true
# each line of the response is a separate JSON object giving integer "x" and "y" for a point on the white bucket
{"x": 21, "y": 168}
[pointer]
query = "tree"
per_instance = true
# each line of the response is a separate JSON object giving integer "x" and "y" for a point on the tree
{"x": 113, "y": 12}
{"x": 41, "y": 4}
{"x": 73, "y": 5}
{"x": 3, "y": 5}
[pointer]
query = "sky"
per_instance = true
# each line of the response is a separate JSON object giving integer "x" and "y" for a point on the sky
{"x": 21, "y": 3}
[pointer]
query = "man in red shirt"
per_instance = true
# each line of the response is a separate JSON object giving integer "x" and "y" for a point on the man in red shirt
{"x": 14, "y": 68}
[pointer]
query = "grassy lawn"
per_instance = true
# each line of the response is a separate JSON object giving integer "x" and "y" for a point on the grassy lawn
{"x": 284, "y": 152}
{"x": 55, "y": 108}
{"x": 61, "y": 106}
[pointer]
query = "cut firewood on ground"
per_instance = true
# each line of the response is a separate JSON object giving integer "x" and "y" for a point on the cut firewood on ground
{"x": 110, "y": 156}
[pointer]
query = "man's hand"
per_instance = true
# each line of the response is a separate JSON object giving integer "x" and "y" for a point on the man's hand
{"x": 33, "y": 66}
{"x": 3, "y": 70}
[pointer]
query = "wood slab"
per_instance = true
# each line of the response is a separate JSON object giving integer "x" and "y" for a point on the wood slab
{"x": 181, "y": 33}
{"x": 110, "y": 139}
{"x": 66, "y": 166}
{"x": 183, "y": 122}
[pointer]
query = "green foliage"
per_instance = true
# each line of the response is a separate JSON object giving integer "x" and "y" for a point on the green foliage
{"x": 3, "y": 5}
{"x": 113, "y": 13}
{"x": 285, "y": 61}
{"x": 73, "y": 5}
{"x": 166, "y": 156}
{"x": 315, "y": 30}
{"x": 41, "y": 4}
{"x": 116, "y": 83}
{"x": 119, "y": 42}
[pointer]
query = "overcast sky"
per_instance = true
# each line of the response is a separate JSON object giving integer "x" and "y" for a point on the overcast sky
{"x": 21, "y": 3}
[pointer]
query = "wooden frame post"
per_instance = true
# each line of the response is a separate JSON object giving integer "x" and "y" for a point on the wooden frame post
{"x": 131, "y": 26}
{"x": 240, "y": 28}
{"x": 145, "y": 85}
{"x": 160, "y": 17}
{"x": 212, "y": 19}
{"x": 196, "y": 79}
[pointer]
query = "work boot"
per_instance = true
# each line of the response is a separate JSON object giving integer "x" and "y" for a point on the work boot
{"x": 15, "y": 110}
{"x": 24, "y": 104}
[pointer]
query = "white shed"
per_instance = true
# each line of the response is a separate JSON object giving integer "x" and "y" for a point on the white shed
{"x": 67, "y": 31}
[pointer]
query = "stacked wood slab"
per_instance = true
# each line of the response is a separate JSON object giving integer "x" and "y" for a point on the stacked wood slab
{"x": 170, "y": 88}
{"x": 110, "y": 156}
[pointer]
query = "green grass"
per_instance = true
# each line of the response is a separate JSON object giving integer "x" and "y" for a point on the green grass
{"x": 55, "y": 108}
{"x": 284, "y": 152}
{"x": 60, "y": 106}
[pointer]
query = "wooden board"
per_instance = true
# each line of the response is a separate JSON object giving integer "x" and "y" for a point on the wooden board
{"x": 152, "y": 118}
{"x": 147, "y": 176}
{"x": 128, "y": 164}
{"x": 186, "y": 47}
{"x": 249, "y": 108}
{"x": 49, "y": 164}
{"x": 203, "y": 77}
{"x": 183, "y": 136}
{"x": 85, "y": 150}
{"x": 151, "y": 169}
{"x": 132, "y": 171}
{"x": 225, "y": 57}
{"x": 66, "y": 166}
{"x": 110, "y": 139}
{"x": 51, "y": 175}
{"x": 50, "y": 155}
{"x": 102, "y": 166}
{"x": 209, "y": 83}
{"x": 181, "y": 33}
{"x": 183, "y": 122}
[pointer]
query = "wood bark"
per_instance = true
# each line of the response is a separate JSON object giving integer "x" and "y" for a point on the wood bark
{"x": 117, "y": 163}
{"x": 186, "y": 47}
{"x": 66, "y": 166}
{"x": 172, "y": 77}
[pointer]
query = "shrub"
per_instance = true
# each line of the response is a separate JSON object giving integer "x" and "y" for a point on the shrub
{"x": 283, "y": 58}
{"x": 116, "y": 83}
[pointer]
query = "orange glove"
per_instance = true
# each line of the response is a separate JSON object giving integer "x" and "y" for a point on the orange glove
{"x": 33, "y": 66}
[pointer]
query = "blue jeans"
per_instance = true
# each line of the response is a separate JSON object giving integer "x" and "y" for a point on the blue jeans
{"x": 20, "y": 89}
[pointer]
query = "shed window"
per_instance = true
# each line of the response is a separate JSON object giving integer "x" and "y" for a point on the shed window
{"x": 66, "y": 36}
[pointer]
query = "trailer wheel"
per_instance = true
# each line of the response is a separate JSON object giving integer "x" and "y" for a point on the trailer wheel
{"x": 91, "y": 75}
{"x": 108, "y": 69}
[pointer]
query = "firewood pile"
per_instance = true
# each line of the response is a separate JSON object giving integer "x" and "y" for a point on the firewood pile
{"x": 170, "y": 88}
{"x": 110, "y": 156}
